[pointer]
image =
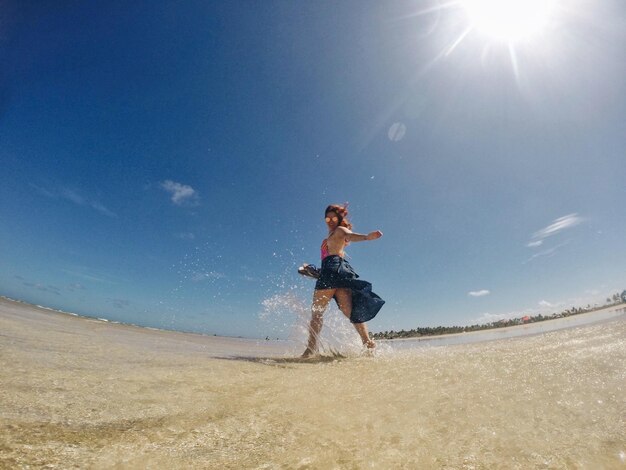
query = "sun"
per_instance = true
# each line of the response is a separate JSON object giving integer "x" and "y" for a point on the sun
{"x": 509, "y": 20}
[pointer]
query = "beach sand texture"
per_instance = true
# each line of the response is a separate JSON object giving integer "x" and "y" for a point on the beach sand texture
{"x": 79, "y": 393}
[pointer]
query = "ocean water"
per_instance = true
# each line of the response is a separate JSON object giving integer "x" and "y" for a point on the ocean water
{"x": 79, "y": 393}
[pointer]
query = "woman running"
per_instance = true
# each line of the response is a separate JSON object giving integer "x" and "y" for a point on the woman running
{"x": 338, "y": 280}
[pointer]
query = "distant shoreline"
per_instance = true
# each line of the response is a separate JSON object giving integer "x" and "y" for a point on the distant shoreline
{"x": 51, "y": 324}
{"x": 119, "y": 323}
{"x": 552, "y": 321}
{"x": 587, "y": 317}
{"x": 25, "y": 317}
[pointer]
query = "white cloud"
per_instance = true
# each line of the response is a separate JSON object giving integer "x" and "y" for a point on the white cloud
{"x": 591, "y": 297}
{"x": 479, "y": 293}
{"x": 74, "y": 197}
{"x": 548, "y": 252}
{"x": 181, "y": 193}
{"x": 493, "y": 317}
{"x": 558, "y": 225}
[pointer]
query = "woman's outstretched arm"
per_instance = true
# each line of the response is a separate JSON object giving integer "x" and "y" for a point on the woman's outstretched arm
{"x": 360, "y": 237}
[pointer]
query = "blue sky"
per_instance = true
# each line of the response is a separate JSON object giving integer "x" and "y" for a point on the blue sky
{"x": 168, "y": 164}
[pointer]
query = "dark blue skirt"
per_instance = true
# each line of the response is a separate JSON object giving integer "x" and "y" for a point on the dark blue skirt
{"x": 336, "y": 273}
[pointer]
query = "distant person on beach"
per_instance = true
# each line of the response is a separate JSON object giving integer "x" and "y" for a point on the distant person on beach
{"x": 338, "y": 280}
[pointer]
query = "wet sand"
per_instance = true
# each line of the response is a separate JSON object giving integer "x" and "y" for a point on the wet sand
{"x": 81, "y": 393}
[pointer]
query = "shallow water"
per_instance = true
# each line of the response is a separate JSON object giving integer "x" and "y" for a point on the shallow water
{"x": 77, "y": 393}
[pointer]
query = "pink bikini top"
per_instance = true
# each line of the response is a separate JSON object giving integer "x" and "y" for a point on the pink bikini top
{"x": 324, "y": 248}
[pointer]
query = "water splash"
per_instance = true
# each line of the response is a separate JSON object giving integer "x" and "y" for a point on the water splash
{"x": 289, "y": 313}
{"x": 199, "y": 286}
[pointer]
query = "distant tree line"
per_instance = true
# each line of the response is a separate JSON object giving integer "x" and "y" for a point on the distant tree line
{"x": 616, "y": 299}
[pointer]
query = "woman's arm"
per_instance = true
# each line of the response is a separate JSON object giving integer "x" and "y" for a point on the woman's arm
{"x": 359, "y": 237}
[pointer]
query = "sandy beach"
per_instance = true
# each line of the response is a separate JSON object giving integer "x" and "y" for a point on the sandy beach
{"x": 83, "y": 393}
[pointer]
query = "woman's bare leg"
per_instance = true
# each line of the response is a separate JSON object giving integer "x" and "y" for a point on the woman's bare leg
{"x": 321, "y": 298}
{"x": 344, "y": 299}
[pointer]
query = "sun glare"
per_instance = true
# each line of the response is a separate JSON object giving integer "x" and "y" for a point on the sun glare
{"x": 509, "y": 20}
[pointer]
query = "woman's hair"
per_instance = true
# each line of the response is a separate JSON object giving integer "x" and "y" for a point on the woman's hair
{"x": 342, "y": 213}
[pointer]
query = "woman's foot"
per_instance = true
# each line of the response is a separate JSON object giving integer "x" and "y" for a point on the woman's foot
{"x": 308, "y": 352}
{"x": 370, "y": 347}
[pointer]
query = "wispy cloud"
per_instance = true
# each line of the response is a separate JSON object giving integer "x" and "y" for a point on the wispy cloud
{"x": 182, "y": 194}
{"x": 549, "y": 252}
{"x": 74, "y": 197}
{"x": 87, "y": 274}
{"x": 557, "y": 226}
{"x": 100, "y": 208}
{"x": 479, "y": 293}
